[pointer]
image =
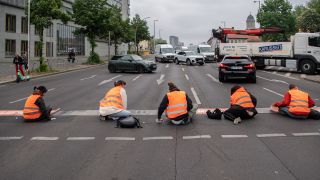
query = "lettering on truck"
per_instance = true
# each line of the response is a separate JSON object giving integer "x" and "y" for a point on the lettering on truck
{"x": 277, "y": 47}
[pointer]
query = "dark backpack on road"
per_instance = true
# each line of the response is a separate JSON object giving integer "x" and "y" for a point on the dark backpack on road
{"x": 128, "y": 122}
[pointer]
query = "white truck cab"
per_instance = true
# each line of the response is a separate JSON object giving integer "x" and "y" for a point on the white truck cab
{"x": 205, "y": 50}
{"x": 164, "y": 53}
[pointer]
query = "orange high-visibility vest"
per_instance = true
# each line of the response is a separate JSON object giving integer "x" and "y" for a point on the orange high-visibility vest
{"x": 31, "y": 110}
{"x": 177, "y": 104}
{"x": 113, "y": 98}
{"x": 299, "y": 101}
{"x": 242, "y": 98}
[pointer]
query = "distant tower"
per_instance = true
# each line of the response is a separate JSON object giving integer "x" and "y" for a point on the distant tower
{"x": 251, "y": 22}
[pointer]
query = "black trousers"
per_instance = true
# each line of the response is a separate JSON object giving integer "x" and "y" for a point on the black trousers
{"x": 312, "y": 115}
{"x": 236, "y": 111}
{"x": 43, "y": 117}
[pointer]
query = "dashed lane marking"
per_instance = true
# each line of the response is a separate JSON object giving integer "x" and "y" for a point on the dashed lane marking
{"x": 272, "y": 80}
{"x": 88, "y": 78}
{"x": 109, "y": 80}
{"x": 273, "y": 92}
{"x": 136, "y": 78}
{"x": 27, "y": 97}
{"x": 167, "y": 66}
{"x": 183, "y": 69}
{"x": 234, "y": 136}
{"x": 213, "y": 78}
{"x": 120, "y": 139}
{"x": 11, "y": 138}
{"x": 197, "y": 137}
{"x": 161, "y": 80}
{"x": 51, "y": 89}
{"x": 288, "y": 74}
{"x": 80, "y": 138}
{"x": 275, "y": 73}
{"x": 44, "y": 138}
{"x": 195, "y": 95}
{"x": 157, "y": 138}
{"x": 306, "y": 134}
{"x": 187, "y": 77}
{"x": 303, "y": 76}
{"x": 271, "y": 135}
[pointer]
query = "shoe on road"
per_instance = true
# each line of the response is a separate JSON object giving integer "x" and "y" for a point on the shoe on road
{"x": 237, "y": 121}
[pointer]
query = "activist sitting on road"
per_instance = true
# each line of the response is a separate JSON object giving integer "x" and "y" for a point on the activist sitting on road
{"x": 114, "y": 104}
{"x": 35, "y": 108}
{"x": 242, "y": 103}
{"x": 177, "y": 106}
{"x": 297, "y": 104}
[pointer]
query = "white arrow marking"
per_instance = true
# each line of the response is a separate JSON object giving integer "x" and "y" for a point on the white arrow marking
{"x": 195, "y": 96}
{"x": 161, "y": 80}
{"x": 109, "y": 80}
{"x": 136, "y": 78}
{"x": 88, "y": 78}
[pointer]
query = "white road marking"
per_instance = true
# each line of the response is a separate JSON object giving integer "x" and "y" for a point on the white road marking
{"x": 306, "y": 134}
{"x": 2, "y": 86}
{"x": 287, "y": 74}
{"x": 120, "y": 139}
{"x": 80, "y": 138}
{"x": 18, "y": 100}
{"x": 109, "y": 80}
{"x": 275, "y": 73}
{"x": 271, "y": 135}
{"x": 272, "y": 80}
{"x": 136, "y": 78}
{"x": 234, "y": 136}
{"x": 44, "y": 138}
{"x": 303, "y": 76}
{"x": 187, "y": 77}
{"x": 157, "y": 138}
{"x": 182, "y": 69}
{"x": 197, "y": 137}
{"x": 161, "y": 80}
{"x": 280, "y": 68}
{"x": 167, "y": 66}
{"x": 10, "y": 138}
{"x": 268, "y": 67}
{"x": 51, "y": 89}
{"x": 195, "y": 96}
{"x": 88, "y": 78}
{"x": 273, "y": 92}
{"x": 213, "y": 78}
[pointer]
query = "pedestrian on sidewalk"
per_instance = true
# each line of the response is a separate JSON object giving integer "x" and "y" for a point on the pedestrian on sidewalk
{"x": 177, "y": 106}
{"x": 35, "y": 108}
{"x": 297, "y": 104}
{"x": 71, "y": 56}
{"x": 18, "y": 61}
{"x": 114, "y": 104}
{"x": 242, "y": 106}
{"x": 25, "y": 61}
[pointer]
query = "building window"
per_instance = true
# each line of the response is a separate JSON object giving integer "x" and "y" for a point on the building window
{"x": 37, "y": 49}
{"x": 37, "y": 31}
{"x": 49, "y": 49}
{"x": 24, "y": 47}
{"x": 10, "y": 23}
{"x": 24, "y": 25}
{"x": 67, "y": 40}
{"x": 49, "y": 31}
{"x": 10, "y": 47}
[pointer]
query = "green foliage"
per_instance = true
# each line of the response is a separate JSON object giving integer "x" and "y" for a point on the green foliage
{"x": 277, "y": 13}
{"x": 309, "y": 21}
{"x": 94, "y": 58}
{"x": 314, "y": 4}
{"x": 141, "y": 30}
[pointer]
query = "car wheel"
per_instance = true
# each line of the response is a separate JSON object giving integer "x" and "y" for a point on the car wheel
{"x": 188, "y": 62}
{"x": 307, "y": 67}
{"x": 112, "y": 69}
{"x": 176, "y": 61}
{"x": 253, "y": 79}
{"x": 140, "y": 69}
{"x": 221, "y": 78}
{"x": 201, "y": 64}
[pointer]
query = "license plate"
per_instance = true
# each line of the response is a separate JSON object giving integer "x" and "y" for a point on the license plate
{"x": 236, "y": 67}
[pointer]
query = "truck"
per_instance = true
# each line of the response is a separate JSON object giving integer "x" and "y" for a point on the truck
{"x": 205, "y": 50}
{"x": 164, "y": 53}
{"x": 301, "y": 53}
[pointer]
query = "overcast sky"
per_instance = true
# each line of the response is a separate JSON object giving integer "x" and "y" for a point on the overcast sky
{"x": 192, "y": 20}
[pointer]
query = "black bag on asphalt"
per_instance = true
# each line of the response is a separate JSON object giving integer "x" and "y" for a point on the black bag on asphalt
{"x": 128, "y": 122}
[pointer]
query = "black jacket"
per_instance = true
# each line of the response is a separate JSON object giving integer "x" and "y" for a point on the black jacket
{"x": 164, "y": 104}
{"x": 43, "y": 109}
{"x": 18, "y": 60}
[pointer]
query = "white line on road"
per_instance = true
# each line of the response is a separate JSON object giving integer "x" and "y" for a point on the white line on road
{"x": 213, "y": 78}
{"x": 2, "y": 86}
{"x": 234, "y": 136}
{"x": 167, "y": 66}
{"x": 197, "y": 137}
{"x": 273, "y": 92}
{"x": 157, "y": 138}
{"x": 10, "y": 138}
{"x": 275, "y": 73}
{"x": 187, "y": 77}
{"x": 161, "y": 80}
{"x": 306, "y": 134}
{"x": 51, "y": 89}
{"x": 271, "y": 135}
{"x": 109, "y": 80}
{"x": 136, "y": 78}
{"x": 272, "y": 80}
{"x": 120, "y": 139}
{"x": 182, "y": 69}
{"x": 18, "y": 100}
{"x": 195, "y": 96}
{"x": 287, "y": 74}
{"x": 44, "y": 138}
{"x": 303, "y": 76}
{"x": 80, "y": 138}
{"x": 88, "y": 78}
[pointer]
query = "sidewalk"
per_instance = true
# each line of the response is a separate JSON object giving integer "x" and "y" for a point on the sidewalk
{"x": 59, "y": 65}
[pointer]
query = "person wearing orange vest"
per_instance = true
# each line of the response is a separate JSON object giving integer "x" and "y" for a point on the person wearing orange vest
{"x": 297, "y": 104}
{"x": 114, "y": 103}
{"x": 242, "y": 105}
{"x": 35, "y": 108}
{"x": 177, "y": 106}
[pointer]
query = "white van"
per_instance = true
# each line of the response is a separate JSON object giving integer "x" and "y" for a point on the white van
{"x": 164, "y": 53}
{"x": 205, "y": 50}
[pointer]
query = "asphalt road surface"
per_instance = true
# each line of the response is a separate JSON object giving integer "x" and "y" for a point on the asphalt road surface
{"x": 77, "y": 145}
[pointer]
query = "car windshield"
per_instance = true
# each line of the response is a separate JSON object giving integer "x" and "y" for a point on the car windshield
{"x": 167, "y": 50}
{"x": 206, "y": 49}
{"x": 136, "y": 58}
{"x": 236, "y": 60}
{"x": 190, "y": 53}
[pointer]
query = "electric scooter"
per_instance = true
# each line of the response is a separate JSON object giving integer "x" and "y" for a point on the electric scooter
{"x": 20, "y": 77}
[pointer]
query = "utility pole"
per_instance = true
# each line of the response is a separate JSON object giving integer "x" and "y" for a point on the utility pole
{"x": 29, "y": 29}
{"x": 154, "y": 34}
{"x": 109, "y": 43}
{"x": 257, "y": 1}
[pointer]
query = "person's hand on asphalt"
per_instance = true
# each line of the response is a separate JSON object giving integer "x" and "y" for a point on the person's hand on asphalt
{"x": 159, "y": 120}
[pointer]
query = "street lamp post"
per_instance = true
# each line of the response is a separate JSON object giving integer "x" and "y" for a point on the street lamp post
{"x": 137, "y": 30}
{"x": 154, "y": 34}
{"x": 28, "y": 55}
{"x": 224, "y": 23}
{"x": 257, "y": 1}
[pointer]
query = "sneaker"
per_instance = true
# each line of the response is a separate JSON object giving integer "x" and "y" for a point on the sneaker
{"x": 102, "y": 118}
{"x": 158, "y": 121}
{"x": 237, "y": 121}
{"x": 250, "y": 113}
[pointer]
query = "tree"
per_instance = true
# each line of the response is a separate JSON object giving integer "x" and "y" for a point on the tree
{"x": 42, "y": 13}
{"x": 314, "y": 4}
{"x": 309, "y": 21}
{"x": 277, "y": 13}
{"x": 141, "y": 30}
{"x": 94, "y": 17}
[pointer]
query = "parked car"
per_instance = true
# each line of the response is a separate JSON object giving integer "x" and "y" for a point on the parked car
{"x": 236, "y": 67}
{"x": 164, "y": 53}
{"x": 131, "y": 63}
{"x": 190, "y": 58}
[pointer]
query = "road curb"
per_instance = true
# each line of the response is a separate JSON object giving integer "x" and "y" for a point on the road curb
{"x": 55, "y": 73}
{"x": 312, "y": 80}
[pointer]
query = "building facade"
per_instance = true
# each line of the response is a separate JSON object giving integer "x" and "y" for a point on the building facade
{"x": 59, "y": 39}
{"x": 174, "y": 41}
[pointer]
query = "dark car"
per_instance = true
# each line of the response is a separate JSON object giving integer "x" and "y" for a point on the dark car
{"x": 237, "y": 67}
{"x": 131, "y": 63}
